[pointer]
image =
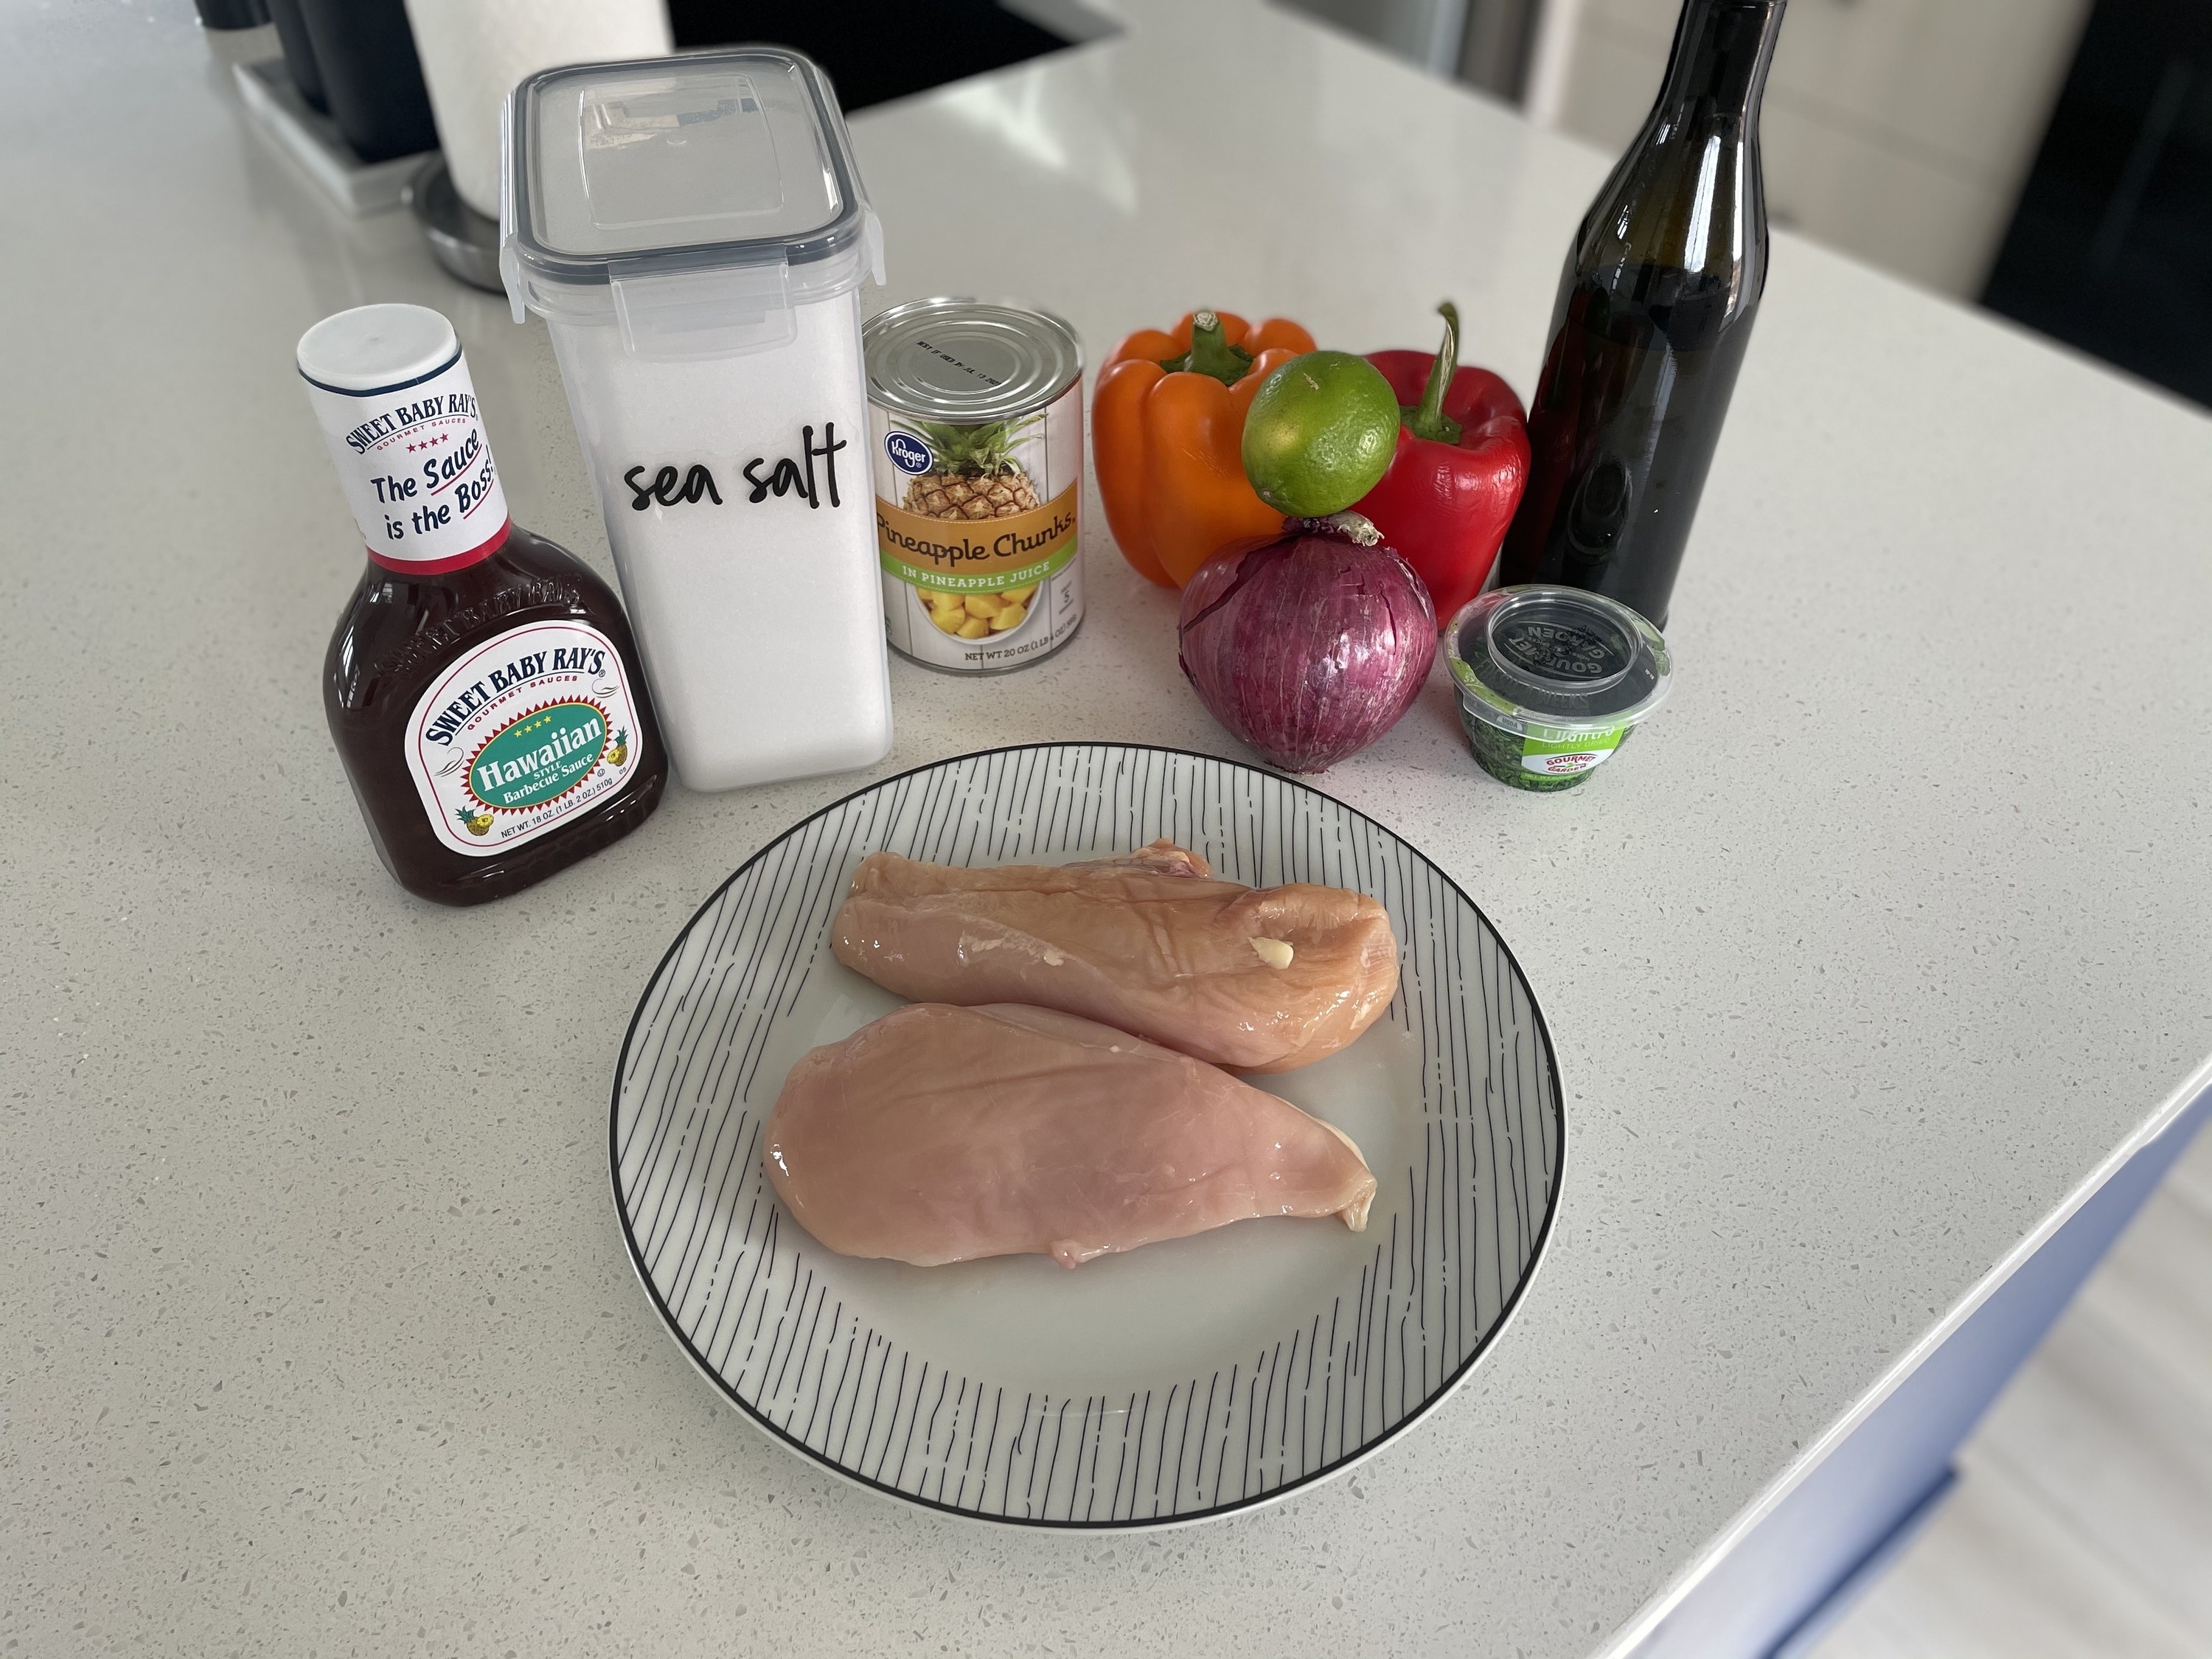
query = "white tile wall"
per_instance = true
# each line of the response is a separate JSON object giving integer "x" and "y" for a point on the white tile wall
{"x": 1932, "y": 224}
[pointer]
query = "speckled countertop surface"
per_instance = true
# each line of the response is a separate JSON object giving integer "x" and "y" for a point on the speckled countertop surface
{"x": 316, "y": 1333}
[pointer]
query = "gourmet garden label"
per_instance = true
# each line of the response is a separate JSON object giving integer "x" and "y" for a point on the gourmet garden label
{"x": 975, "y": 447}
{"x": 415, "y": 468}
{"x": 522, "y": 733}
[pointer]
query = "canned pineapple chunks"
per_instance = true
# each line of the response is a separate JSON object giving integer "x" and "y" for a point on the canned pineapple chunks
{"x": 975, "y": 419}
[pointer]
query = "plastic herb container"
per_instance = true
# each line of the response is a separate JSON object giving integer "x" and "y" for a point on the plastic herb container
{"x": 1552, "y": 680}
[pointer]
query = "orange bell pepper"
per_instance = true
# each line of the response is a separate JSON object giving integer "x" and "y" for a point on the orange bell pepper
{"x": 1167, "y": 438}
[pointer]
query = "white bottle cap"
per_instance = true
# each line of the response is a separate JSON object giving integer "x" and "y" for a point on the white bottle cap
{"x": 391, "y": 391}
{"x": 377, "y": 348}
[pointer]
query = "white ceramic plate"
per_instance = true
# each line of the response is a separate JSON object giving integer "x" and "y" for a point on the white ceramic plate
{"x": 1185, "y": 1380}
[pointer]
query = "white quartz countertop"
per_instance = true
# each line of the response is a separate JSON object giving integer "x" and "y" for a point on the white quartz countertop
{"x": 319, "y": 1337}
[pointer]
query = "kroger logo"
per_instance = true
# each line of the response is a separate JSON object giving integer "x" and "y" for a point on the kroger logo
{"x": 908, "y": 453}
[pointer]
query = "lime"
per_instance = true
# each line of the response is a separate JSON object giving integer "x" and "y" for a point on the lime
{"x": 1320, "y": 433}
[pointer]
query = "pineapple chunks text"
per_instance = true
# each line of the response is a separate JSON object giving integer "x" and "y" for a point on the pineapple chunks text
{"x": 977, "y": 616}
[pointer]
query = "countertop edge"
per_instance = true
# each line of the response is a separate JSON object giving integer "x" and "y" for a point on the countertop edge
{"x": 2196, "y": 1086}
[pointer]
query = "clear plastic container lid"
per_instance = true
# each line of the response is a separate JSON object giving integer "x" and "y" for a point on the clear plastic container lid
{"x": 1548, "y": 661}
{"x": 694, "y": 200}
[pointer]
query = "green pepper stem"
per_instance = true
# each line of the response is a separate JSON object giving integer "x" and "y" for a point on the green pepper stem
{"x": 1427, "y": 419}
{"x": 1211, "y": 352}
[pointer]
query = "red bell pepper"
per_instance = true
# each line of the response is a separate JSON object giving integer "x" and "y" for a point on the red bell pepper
{"x": 1462, "y": 464}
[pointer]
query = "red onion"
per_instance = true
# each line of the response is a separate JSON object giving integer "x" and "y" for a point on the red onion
{"x": 1309, "y": 647}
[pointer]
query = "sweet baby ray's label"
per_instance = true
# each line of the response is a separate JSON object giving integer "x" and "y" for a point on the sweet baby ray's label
{"x": 523, "y": 732}
{"x": 416, "y": 470}
{"x": 977, "y": 532}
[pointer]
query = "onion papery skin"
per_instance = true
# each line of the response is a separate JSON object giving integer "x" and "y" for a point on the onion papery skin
{"x": 1307, "y": 647}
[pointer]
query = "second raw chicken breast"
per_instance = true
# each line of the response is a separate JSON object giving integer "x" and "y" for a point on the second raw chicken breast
{"x": 941, "y": 1135}
{"x": 1259, "y": 980}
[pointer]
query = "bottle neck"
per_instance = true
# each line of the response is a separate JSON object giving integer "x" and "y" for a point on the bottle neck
{"x": 1718, "y": 69}
{"x": 466, "y": 558}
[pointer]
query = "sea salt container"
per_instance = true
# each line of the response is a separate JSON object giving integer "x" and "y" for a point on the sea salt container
{"x": 694, "y": 233}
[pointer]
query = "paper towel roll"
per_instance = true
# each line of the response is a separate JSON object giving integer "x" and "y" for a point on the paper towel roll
{"x": 473, "y": 51}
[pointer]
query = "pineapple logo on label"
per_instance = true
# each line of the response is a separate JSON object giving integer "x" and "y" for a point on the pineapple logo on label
{"x": 973, "y": 472}
{"x": 908, "y": 453}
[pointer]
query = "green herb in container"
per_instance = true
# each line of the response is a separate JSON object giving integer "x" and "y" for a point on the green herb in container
{"x": 1552, "y": 680}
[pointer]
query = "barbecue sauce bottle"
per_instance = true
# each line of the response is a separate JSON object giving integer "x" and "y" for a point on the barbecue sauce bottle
{"x": 482, "y": 687}
{"x": 1653, "y": 315}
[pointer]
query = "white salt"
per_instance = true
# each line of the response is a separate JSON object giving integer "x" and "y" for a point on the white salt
{"x": 760, "y": 621}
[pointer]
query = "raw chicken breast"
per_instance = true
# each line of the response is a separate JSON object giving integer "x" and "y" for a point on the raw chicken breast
{"x": 941, "y": 1135}
{"x": 1261, "y": 980}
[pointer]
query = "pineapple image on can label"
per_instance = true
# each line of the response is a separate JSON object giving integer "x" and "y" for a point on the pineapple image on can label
{"x": 974, "y": 475}
{"x": 976, "y": 519}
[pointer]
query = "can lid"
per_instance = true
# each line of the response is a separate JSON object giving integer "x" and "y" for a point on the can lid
{"x": 1556, "y": 659}
{"x": 966, "y": 360}
{"x": 380, "y": 348}
{"x": 700, "y": 188}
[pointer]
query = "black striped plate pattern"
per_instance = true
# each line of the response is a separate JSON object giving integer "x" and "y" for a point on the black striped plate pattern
{"x": 1181, "y": 1381}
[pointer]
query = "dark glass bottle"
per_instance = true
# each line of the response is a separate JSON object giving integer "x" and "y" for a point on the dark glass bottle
{"x": 299, "y": 53}
{"x": 372, "y": 80}
{"x": 1654, "y": 312}
{"x": 397, "y": 638}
